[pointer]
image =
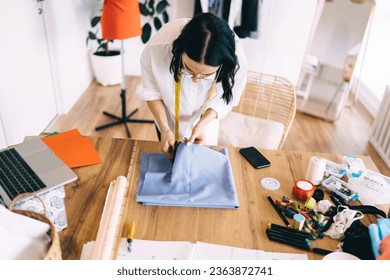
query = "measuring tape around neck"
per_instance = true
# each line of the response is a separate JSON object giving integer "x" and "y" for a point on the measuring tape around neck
{"x": 177, "y": 104}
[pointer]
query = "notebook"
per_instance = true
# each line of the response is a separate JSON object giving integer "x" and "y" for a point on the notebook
{"x": 31, "y": 166}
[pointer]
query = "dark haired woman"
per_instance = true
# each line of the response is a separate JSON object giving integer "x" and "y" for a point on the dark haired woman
{"x": 193, "y": 73}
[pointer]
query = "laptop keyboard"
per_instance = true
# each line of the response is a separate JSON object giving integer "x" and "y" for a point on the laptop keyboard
{"x": 16, "y": 176}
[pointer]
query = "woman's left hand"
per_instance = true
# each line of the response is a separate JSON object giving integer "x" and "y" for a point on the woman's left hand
{"x": 198, "y": 135}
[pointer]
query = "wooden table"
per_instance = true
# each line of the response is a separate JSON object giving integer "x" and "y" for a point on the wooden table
{"x": 244, "y": 227}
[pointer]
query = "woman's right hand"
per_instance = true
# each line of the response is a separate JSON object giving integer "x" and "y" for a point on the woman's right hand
{"x": 167, "y": 143}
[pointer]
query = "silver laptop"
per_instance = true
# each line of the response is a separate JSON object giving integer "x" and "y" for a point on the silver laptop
{"x": 31, "y": 167}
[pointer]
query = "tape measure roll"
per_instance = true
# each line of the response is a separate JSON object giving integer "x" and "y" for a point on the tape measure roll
{"x": 303, "y": 189}
{"x": 270, "y": 183}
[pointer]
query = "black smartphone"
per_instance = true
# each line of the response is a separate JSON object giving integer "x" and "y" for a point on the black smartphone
{"x": 255, "y": 158}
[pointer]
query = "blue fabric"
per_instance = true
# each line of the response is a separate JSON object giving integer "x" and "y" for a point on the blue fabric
{"x": 200, "y": 177}
{"x": 377, "y": 233}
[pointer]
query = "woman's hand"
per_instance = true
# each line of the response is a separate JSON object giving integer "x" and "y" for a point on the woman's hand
{"x": 198, "y": 135}
{"x": 167, "y": 143}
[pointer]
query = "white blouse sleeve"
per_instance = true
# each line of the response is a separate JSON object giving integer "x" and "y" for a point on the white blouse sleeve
{"x": 149, "y": 89}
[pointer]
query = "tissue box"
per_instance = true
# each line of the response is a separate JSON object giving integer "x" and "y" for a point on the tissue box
{"x": 54, "y": 203}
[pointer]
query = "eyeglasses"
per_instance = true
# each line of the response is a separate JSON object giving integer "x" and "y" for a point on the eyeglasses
{"x": 210, "y": 77}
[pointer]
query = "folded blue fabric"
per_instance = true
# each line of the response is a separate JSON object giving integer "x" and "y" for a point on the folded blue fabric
{"x": 377, "y": 233}
{"x": 200, "y": 177}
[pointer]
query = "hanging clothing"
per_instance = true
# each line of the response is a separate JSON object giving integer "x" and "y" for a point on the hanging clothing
{"x": 158, "y": 84}
{"x": 250, "y": 19}
{"x": 121, "y": 19}
{"x": 242, "y": 16}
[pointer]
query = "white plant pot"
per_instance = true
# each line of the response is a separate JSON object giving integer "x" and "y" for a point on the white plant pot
{"x": 107, "y": 69}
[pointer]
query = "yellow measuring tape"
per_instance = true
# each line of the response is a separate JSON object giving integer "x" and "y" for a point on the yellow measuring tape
{"x": 177, "y": 105}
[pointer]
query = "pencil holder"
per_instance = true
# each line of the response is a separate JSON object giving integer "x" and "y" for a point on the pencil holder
{"x": 54, "y": 249}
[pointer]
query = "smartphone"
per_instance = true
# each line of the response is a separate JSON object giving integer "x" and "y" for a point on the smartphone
{"x": 255, "y": 158}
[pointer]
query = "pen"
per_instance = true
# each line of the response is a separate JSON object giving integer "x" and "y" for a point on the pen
{"x": 130, "y": 234}
{"x": 289, "y": 242}
{"x": 300, "y": 245}
{"x": 277, "y": 209}
{"x": 289, "y": 230}
{"x": 286, "y": 236}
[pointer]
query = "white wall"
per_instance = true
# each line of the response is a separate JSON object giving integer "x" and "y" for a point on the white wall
{"x": 373, "y": 66}
{"x": 67, "y": 24}
{"x": 285, "y": 30}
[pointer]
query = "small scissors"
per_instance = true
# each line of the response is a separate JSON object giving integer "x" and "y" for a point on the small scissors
{"x": 173, "y": 150}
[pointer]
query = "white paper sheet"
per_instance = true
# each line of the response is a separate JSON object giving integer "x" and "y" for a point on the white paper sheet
{"x": 155, "y": 250}
{"x": 183, "y": 250}
{"x": 207, "y": 251}
{"x": 373, "y": 188}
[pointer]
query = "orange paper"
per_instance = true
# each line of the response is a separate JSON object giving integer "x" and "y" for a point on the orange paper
{"x": 73, "y": 148}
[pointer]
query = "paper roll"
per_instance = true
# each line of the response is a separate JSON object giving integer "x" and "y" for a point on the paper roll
{"x": 315, "y": 171}
{"x": 109, "y": 220}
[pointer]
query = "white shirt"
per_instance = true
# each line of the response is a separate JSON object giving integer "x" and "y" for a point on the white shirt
{"x": 158, "y": 83}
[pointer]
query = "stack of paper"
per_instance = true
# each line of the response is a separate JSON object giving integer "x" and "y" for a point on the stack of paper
{"x": 73, "y": 148}
{"x": 184, "y": 250}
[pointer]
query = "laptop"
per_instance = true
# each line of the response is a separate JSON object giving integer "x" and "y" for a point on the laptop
{"x": 31, "y": 167}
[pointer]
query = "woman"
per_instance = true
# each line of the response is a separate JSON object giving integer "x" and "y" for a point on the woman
{"x": 193, "y": 72}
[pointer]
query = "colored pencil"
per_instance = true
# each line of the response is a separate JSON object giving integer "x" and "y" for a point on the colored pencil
{"x": 277, "y": 209}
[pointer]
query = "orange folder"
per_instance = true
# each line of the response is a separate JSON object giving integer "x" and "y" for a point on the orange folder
{"x": 73, "y": 148}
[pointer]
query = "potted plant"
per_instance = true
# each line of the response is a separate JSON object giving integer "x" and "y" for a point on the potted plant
{"x": 153, "y": 11}
{"x": 106, "y": 62}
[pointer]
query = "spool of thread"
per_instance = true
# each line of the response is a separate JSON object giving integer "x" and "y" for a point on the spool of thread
{"x": 298, "y": 222}
{"x": 315, "y": 171}
{"x": 303, "y": 189}
{"x": 310, "y": 203}
{"x": 318, "y": 195}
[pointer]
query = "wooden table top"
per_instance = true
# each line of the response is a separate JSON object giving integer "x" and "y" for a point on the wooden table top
{"x": 244, "y": 227}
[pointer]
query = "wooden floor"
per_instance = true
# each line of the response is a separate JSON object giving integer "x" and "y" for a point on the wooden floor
{"x": 348, "y": 135}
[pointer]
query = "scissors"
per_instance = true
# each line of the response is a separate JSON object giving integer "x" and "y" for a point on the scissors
{"x": 172, "y": 150}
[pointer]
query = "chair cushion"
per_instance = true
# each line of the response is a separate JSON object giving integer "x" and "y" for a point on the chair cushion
{"x": 239, "y": 130}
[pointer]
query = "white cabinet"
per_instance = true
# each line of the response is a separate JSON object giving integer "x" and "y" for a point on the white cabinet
{"x": 27, "y": 97}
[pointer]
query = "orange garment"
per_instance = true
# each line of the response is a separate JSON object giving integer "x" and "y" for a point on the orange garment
{"x": 385, "y": 249}
{"x": 121, "y": 19}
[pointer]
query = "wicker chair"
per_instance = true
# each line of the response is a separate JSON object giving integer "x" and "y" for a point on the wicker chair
{"x": 267, "y": 98}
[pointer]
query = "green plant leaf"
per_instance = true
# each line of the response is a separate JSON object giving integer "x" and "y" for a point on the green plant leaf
{"x": 91, "y": 35}
{"x": 146, "y": 32}
{"x": 157, "y": 23}
{"x": 95, "y": 21}
{"x": 102, "y": 46}
{"x": 161, "y": 6}
{"x": 151, "y": 5}
{"x": 143, "y": 9}
{"x": 165, "y": 16}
